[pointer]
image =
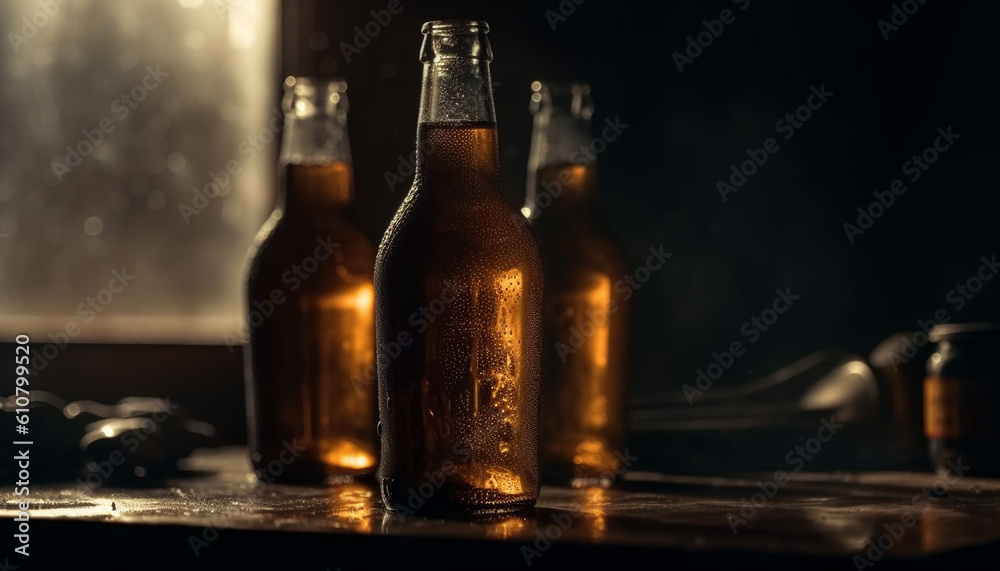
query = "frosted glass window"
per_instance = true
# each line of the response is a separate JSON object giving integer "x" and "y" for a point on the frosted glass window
{"x": 111, "y": 113}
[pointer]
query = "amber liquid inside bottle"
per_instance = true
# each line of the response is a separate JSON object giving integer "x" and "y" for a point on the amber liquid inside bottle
{"x": 310, "y": 286}
{"x": 584, "y": 341}
{"x": 459, "y": 291}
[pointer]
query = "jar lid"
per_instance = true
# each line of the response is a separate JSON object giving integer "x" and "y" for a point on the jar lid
{"x": 965, "y": 331}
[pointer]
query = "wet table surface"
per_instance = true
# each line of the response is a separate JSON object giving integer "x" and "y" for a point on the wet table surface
{"x": 822, "y": 517}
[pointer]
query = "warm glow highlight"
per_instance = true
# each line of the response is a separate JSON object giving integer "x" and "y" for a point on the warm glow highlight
{"x": 583, "y": 390}
{"x": 594, "y": 518}
{"x": 509, "y": 329}
{"x": 597, "y": 301}
{"x": 353, "y": 504}
{"x": 504, "y": 482}
{"x": 347, "y": 454}
{"x": 505, "y": 529}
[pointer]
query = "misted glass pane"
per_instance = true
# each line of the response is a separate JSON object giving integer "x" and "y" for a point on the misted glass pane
{"x": 136, "y": 139}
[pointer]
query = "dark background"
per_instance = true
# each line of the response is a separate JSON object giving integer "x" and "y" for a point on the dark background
{"x": 784, "y": 227}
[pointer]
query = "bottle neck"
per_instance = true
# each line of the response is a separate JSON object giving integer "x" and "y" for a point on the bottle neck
{"x": 457, "y": 134}
{"x": 562, "y": 173}
{"x": 313, "y": 191}
{"x": 315, "y": 139}
{"x": 315, "y": 150}
{"x": 457, "y": 89}
{"x": 460, "y": 158}
{"x": 315, "y": 122}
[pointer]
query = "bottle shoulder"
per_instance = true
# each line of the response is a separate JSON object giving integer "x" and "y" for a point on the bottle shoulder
{"x": 479, "y": 233}
{"x": 292, "y": 228}
{"x": 335, "y": 252}
{"x": 577, "y": 235}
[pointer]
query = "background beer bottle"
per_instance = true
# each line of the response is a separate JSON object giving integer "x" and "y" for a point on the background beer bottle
{"x": 310, "y": 295}
{"x": 584, "y": 323}
{"x": 458, "y": 290}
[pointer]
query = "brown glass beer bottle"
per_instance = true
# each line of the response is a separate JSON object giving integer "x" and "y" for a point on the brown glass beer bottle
{"x": 584, "y": 320}
{"x": 458, "y": 293}
{"x": 310, "y": 295}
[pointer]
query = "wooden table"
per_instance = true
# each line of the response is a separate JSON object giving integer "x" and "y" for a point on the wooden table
{"x": 221, "y": 519}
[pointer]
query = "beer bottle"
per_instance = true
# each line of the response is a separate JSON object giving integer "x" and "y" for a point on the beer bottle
{"x": 310, "y": 295}
{"x": 458, "y": 293}
{"x": 584, "y": 320}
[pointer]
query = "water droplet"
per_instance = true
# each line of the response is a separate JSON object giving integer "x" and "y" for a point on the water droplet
{"x": 378, "y": 428}
{"x": 176, "y": 162}
{"x": 93, "y": 226}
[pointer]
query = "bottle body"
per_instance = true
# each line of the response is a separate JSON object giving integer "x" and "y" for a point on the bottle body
{"x": 310, "y": 294}
{"x": 458, "y": 293}
{"x": 585, "y": 319}
{"x": 961, "y": 390}
{"x": 458, "y": 288}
